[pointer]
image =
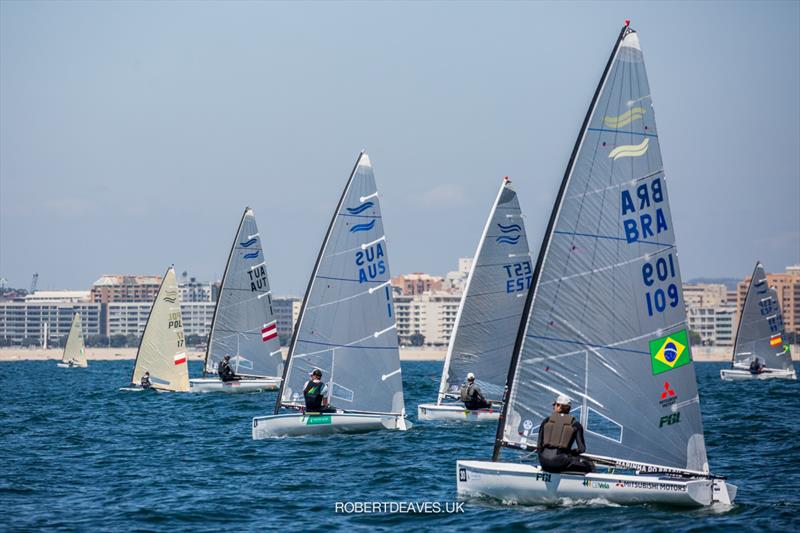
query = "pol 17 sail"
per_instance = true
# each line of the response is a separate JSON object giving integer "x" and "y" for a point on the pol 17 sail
{"x": 244, "y": 325}
{"x": 761, "y": 331}
{"x": 605, "y": 322}
{"x": 162, "y": 350}
{"x": 347, "y": 325}
{"x": 494, "y": 296}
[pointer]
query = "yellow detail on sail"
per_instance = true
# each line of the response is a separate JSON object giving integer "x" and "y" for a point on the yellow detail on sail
{"x": 632, "y": 114}
{"x": 630, "y": 150}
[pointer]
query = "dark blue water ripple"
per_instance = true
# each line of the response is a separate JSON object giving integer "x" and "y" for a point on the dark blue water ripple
{"x": 79, "y": 455}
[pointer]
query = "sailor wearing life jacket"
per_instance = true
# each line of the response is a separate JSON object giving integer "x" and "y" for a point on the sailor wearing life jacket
{"x": 315, "y": 394}
{"x": 557, "y": 434}
{"x": 471, "y": 395}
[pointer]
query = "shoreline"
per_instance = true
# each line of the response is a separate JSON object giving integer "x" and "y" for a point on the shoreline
{"x": 704, "y": 354}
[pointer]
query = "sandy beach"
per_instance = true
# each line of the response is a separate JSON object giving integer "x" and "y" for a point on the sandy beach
{"x": 700, "y": 354}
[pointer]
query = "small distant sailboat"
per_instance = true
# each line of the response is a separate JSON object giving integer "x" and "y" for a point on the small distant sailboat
{"x": 760, "y": 335}
{"x": 346, "y": 327}
{"x": 488, "y": 317}
{"x": 244, "y": 325}
{"x": 605, "y": 324}
{"x": 162, "y": 350}
{"x": 74, "y": 351}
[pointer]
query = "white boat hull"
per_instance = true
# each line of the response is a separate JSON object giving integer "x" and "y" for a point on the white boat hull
{"x": 296, "y": 424}
{"x": 67, "y": 365}
{"x": 735, "y": 374}
{"x": 452, "y": 411}
{"x": 243, "y": 385}
{"x": 528, "y": 485}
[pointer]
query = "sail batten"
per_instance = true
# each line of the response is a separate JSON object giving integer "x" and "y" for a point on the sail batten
{"x": 346, "y": 326}
{"x": 761, "y": 329}
{"x": 244, "y": 325}
{"x": 478, "y": 343}
{"x": 605, "y": 322}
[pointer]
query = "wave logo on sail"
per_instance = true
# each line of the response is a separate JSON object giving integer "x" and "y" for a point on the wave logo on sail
{"x": 251, "y": 255}
{"x": 248, "y": 244}
{"x": 363, "y": 227}
{"x": 672, "y": 351}
{"x": 630, "y": 150}
{"x": 631, "y": 115}
{"x": 170, "y": 296}
{"x": 508, "y": 229}
{"x": 360, "y": 209}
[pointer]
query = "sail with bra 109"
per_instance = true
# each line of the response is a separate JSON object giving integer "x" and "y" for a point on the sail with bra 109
{"x": 494, "y": 296}
{"x": 605, "y": 322}
{"x": 244, "y": 325}
{"x": 761, "y": 331}
{"x": 346, "y": 326}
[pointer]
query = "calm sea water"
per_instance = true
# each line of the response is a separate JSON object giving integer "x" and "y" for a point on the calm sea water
{"x": 77, "y": 454}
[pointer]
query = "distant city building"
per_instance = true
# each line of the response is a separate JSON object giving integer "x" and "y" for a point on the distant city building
{"x": 114, "y": 288}
{"x": 196, "y": 291}
{"x": 431, "y": 314}
{"x": 787, "y": 285}
{"x": 456, "y": 281}
{"x": 715, "y": 324}
{"x": 705, "y": 294}
{"x": 28, "y": 322}
{"x": 417, "y": 283}
{"x": 286, "y": 309}
{"x": 58, "y": 296}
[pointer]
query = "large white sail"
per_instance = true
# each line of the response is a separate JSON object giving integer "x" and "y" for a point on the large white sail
{"x": 761, "y": 331}
{"x": 75, "y": 350}
{"x": 605, "y": 322}
{"x": 162, "y": 350}
{"x": 244, "y": 324}
{"x": 346, "y": 325}
{"x": 494, "y": 297}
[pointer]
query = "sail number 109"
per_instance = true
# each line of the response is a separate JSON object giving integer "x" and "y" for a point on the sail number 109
{"x": 660, "y": 298}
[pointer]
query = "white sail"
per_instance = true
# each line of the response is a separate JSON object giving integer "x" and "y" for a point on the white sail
{"x": 162, "y": 350}
{"x": 75, "y": 350}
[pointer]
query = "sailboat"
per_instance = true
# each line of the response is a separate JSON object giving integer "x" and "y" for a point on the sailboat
{"x": 244, "y": 325}
{"x": 488, "y": 316}
{"x": 346, "y": 327}
{"x": 162, "y": 349}
{"x": 605, "y": 324}
{"x": 74, "y": 351}
{"x": 760, "y": 334}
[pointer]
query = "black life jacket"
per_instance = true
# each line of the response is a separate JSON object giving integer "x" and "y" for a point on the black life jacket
{"x": 558, "y": 432}
{"x": 466, "y": 393}
{"x": 313, "y": 395}
{"x": 146, "y": 382}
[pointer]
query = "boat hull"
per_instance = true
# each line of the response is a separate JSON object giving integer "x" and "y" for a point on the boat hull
{"x": 66, "y": 365}
{"x": 452, "y": 411}
{"x": 202, "y": 385}
{"x": 735, "y": 374}
{"x": 529, "y": 485}
{"x": 296, "y": 424}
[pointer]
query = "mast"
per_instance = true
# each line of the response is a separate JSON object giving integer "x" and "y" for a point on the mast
{"x": 221, "y": 289}
{"x": 147, "y": 322}
{"x": 451, "y": 343}
{"x": 741, "y": 315}
{"x": 498, "y": 442}
{"x": 311, "y": 282}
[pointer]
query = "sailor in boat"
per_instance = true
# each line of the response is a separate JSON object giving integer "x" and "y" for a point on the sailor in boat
{"x": 756, "y": 366}
{"x": 471, "y": 394}
{"x": 315, "y": 394}
{"x": 145, "y": 381}
{"x": 225, "y": 370}
{"x": 557, "y": 434}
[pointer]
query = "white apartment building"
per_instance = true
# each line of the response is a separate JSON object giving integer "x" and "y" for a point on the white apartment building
{"x": 28, "y": 322}
{"x": 456, "y": 281}
{"x": 130, "y": 318}
{"x": 432, "y": 315}
{"x": 286, "y": 310}
{"x": 715, "y": 324}
{"x": 705, "y": 294}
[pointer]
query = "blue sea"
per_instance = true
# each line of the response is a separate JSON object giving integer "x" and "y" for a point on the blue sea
{"x": 78, "y": 455}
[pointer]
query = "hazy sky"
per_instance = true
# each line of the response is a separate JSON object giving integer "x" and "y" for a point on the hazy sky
{"x": 132, "y": 135}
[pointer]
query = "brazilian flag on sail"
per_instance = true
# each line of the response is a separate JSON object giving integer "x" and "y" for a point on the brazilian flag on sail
{"x": 670, "y": 352}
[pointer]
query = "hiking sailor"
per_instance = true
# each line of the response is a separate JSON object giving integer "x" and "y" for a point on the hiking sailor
{"x": 225, "y": 371}
{"x": 315, "y": 393}
{"x": 471, "y": 395}
{"x": 145, "y": 381}
{"x": 557, "y": 434}
{"x": 756, "y": 366}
